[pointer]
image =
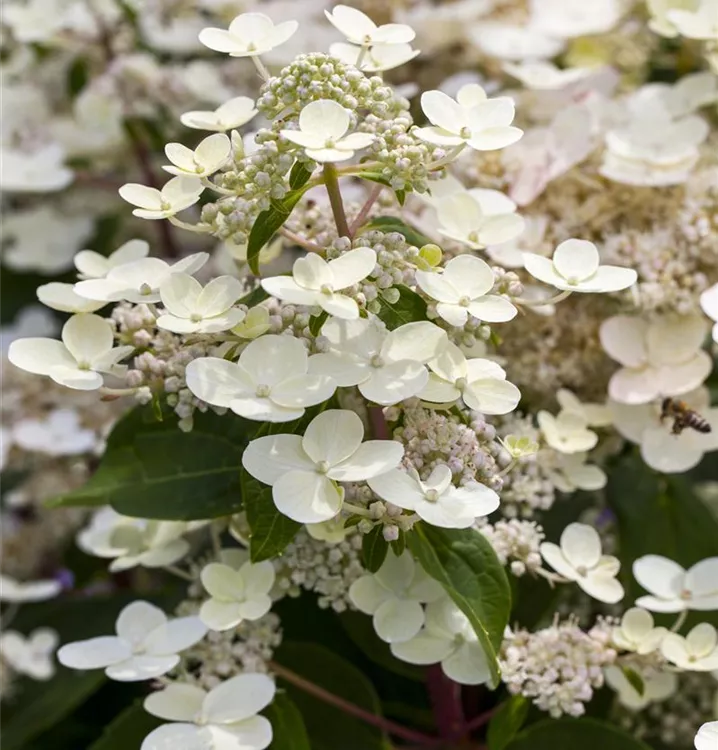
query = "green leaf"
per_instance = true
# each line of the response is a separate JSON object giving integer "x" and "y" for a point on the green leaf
{"x": 409, "y": 308}
{"x": 398, "y": 545}
{"x": 507, "y": 721}
{"x": 316, "y": 322}
{"x": 465, "y": 564}
{"x": 299, "y": 176}
{"x": 393, "y": 224}
{"x": 254, "y": 297}
{"x": 328, "y": 727}
{"x": 574, "y": 734}
{"x": 270, "y": 530}
{"x": 288, "y": 730}
{"x": 128, "y": 729}
{"x": 374, "y": 548}
{"x": 634, "y": 680}
{"x": 152, "y": 469}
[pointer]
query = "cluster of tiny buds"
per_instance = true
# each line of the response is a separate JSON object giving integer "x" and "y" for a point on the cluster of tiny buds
{"x": 516, "y": 543}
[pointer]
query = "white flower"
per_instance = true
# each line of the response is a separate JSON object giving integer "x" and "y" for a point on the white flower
{"x": 145, "y": 647}
{"x": 699, "y": 23}
{"x": 636, "y": 632}
{"x": 138, "y": 281}
{"x": 511, "y": 42}
{"x": 566, "y": 21}
{"x": 519, "y": 447}
{"x": 176, "y": 195}
{"x": 388, "y": 366}
{"x": 481, "y": 123}
{"x": 269, "y": 383}
{"x": 436, "y": 500}
{"x": 76, "y": 362}
{"x": 540, "y": 75}
{"x": 358, "y": 28}
{"x": 480, "y": 383}
{"x": 394, "y": 595}
{"x": 661, "y": 449}
{"x": 697, "y": 652}
{"x": 567, "y": 432}
{"x": 191, "y": 308}
{"x": 225, "y": 718}
{"x": 303, "y": 471}
{"x": 255, "y": 324}
{"x": 316, "y": 282}
{"x": 331, "y": 532}
{"x": 239, "y": 590}
{"x": 579, "y": 559}
{"x": 41, "y": 171}
{"x": 232, "y": 114}
{"x": 248, "y": 35}
{"x": 59, "y": 434}
{"x": 31, "y": 591}
{"x": 594, "y": 414}
{"x": 709, "y": 305}
{"x": 673, "y": 589}
{"x": 31, "y": 655}
{"x": 134, "y": 541}
{"x": 92, "y": 265}
{"x": 63, "y": 297}
{"x": 209, "y": 156}
{"x": 447, "y": 637}
{"x": 322, "y": 132}
{"x": 657, "y": 687}
{"x": 575, "y": 268}
{"x": 661, "y": 358}
{"x": 377, "y": 59}
{"x": 707, "y": 737}
{"x": 510, "y": 254}
{"x": 569, "y": 472}
{"x": 463, "y": 289}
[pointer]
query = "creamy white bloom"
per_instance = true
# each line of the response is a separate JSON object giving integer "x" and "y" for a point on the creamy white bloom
{"x": 463, "y": 289}
{"x": 232, "y": 114}
{"x": 209, "y": 156}
{"x": 660, "y": 448}
{"x": 658, "y": 10}
{"x": 478, "y": 218}
{"x": 225, "y": 718}
{"x": 376, "y": 59}
{"x": 594, "y": 414}
{"x": 575, "y": 268}
{"x": 323, "y": 126}
{"x": 255, "y": 324}
{"x": 436, "y": 500}
{"x": 394, "y": 595}
{"x": 388, "y": 366}
{"x": 331, "y": 532}
{"x": 472, "y": 119}
{"x": 138, "y": 281}
{"x": 358, "y": 28}
{"x": 707, "y": 736}
{"x": 699, "y": 23}
{"x": 271, "y": 381}
{"x": 41, "y": 171}
{"x": 674, "y": 589}
{"x": 31, "y": 655}
{"x": 145, "y": 647}
{"x": 134, "y": 541}
{"x": 636, "y": 632}
{"x": 510, "y": 254}
{"x": 709, "y": 305}
{"x": 569, "y": 472}
{"x": 660, "y": 358}
{"x": 249, "y": 34}
{"x": 657, "y": 687}
{"x": 12, "y": 590}
{"x": 92, "y": 265}
{"x": 316, "y": 282}
{"x": 540, "y": 75}
{"x": 579, "y": 559}
{"x": 511, "y": 42}
{"x": 176, "y": 195}
{"x": 60, "y": 433}
{"x": 192, "y": 308}
{"x": 696, "y": 652}
{"x": 447, "y": 637}
{"x": 569, "y": 20}
{"x": 481, "y": 383}
{"x": 567, "y": 432}
{"x": 86, "y": 351}
{"x": 303, "y": 471}
{"x": 63, "y": 297}
{"x": 238, "y": 589}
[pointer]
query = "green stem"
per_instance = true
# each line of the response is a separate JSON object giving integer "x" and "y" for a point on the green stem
{"x": 357, "y": 510}
{"x": 678, "y": 624}
{"x": 259, "y": 65}
{"x": 331, "y": 181}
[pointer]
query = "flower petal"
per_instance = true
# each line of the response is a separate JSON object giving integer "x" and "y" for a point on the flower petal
{"x": 660, "y": 576}
{"x": 94, "y": 653}
{"x": 553, "y": 555}
{"x": 307, "y": 497}
{"x": 394, "y": 382}
{"x": 39, "y": 355}
{"x": 168, "y": 736}
{"x": 220, "y": 615}
{"x": 576, "y": 259}
{"x": 311, "y": 272}
{"x": 223, "y": 582}
{"x": 64, "y": 298}
{"x": 238, "y": 698}
{"x": 141, "y": 667}
{"x": 397, "y": 487}
{"x": 270, "y": 457}
{"x": 179, "y": 293}
{"x": 350, "y": 268}
{"x": 417, "y": 342}
{"x": 324, "y": 118}
{"x": 369, "y": 460}
{"x": 604, "y": 588}
{"x": 491, "y": 396}
{"x": 87, "y": 337}
{"x": 442, "y": 111}
{"x": 397, "y": 621}
{"x": 581, "y": 545}
{"x": 175, "y": 636}
{"x": 493, "y": 309}
{"x": 343, "y": 370}
{"x": 176, "y": 702}
{"x": 218, "y": 381}
{"x": 623, "y": 339}
{"x": 467, "y": 666}
{"x": 287, "y": 289}
{"x": 333, "y": 436}
{"x": 424, "y": 648}
{"x": 270, "y": 359}
{"x": 702, "y": 578}
{"x": 367, "y": 594}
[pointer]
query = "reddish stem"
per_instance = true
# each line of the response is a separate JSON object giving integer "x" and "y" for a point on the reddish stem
{"x": 379, "y": 427}
{"x": 364, "y": 212}
{"x": 445, "y": 697}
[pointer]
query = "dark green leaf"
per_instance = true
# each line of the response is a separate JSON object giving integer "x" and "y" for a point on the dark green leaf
{"x": 465, "y": 564}
{"x": 316, "y": 322}
{"x": 374, "y": 177}
{"x": 328, "y": 727}
{"x": 401, "y": 196}
{"x": 374, "y": 548}
{"x": 128, "y": 729}
{"x": 410, "y": 307}
{"x": 254, "y": 297}
{"x": 77, "y": 76}
{"x": 399, "y": 544}
{"x": 288, "y": 730}
{"x": 299, "y": 176}
{"x": 574, "y": 734}
{"x": 393, "y": 224}
{"x": 635, "y": 680}
{"x": 152, "y": 469}
{"x": 270, "y": 530}
{"x": 507, "y": 721}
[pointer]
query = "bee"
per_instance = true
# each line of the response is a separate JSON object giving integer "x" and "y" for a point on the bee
{"x": 682, "y": 417}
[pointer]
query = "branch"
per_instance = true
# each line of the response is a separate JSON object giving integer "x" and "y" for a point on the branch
{"x": 363, "y": 213}
{"x": 331, "y": 180}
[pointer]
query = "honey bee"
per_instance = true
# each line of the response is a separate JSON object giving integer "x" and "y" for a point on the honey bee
{"x": 682, "y": 417}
